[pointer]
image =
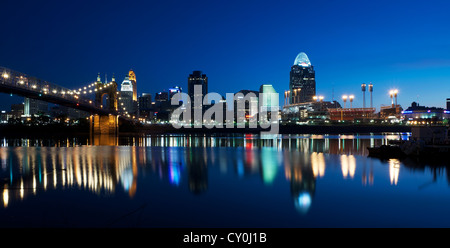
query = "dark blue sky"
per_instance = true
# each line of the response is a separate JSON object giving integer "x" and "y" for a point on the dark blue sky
{"x": 238, "y": 44}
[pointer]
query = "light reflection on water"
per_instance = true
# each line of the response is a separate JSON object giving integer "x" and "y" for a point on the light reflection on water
{"x": 302, "y": 165}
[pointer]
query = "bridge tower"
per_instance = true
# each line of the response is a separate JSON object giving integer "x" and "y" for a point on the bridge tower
{"x": 105, "y": 124}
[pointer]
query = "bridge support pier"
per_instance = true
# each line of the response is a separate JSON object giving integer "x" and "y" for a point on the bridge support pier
{"x": 104, "y": 124}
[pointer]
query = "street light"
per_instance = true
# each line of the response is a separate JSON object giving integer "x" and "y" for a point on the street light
{"x": 5, "y": 75}
{"x": 363, "y": 89}
{"x": 315, "y": 98}
{"x": 351, "y": 100}
{"x": 393, "y": 93}
{"x": 344, "y": 97}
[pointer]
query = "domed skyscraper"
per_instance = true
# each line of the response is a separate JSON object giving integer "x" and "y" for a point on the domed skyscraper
{"x": 302, "y": 85}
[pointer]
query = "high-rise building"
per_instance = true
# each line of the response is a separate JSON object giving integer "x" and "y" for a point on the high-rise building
{"x": 126, "y": 103}
{"x": 145, "y": 101}
{"x": 145, "y": 105}
{"x": 34, "y": 107}
{"x": 302, "y": 86}
{"x": 197, "y": 78}
{"x": 132, "y": 78}
{"x": 448, "y": 103}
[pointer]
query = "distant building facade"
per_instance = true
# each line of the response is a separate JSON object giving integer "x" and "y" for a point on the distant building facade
{"x": 35, "y": 107}
{"x": 417, "y": 113}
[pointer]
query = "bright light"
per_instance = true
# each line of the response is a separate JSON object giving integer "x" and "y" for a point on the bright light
{"x": 5, "y": 75}
{"x": 344, "y": 97}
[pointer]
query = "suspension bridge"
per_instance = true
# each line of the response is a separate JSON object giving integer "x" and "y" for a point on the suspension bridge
{"x": 104, "y": 118}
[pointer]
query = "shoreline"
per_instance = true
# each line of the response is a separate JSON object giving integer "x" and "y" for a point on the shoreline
{"x": 160, "y": 129}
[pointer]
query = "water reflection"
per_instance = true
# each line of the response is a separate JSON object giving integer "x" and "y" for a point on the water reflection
{"x": 394, "y": 170}
{"x": 185, "y": 161}
{"x": 332, "y": 144}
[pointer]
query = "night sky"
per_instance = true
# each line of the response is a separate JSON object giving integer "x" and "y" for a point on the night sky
{"x": 238, "y": 44}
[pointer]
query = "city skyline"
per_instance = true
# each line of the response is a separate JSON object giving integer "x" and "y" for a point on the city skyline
{"x": 391, "y": 45}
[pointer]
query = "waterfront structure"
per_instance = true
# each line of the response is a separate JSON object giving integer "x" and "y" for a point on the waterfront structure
{"x": 302, "y": 85}
{"x": 390, "y": 112}
{"x": 351, "y": 114}
{"x": 416, "y": 114}
{"x": 310, "y": 112}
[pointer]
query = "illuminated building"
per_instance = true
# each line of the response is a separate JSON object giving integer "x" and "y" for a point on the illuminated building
{"x": 394, "y": 110}
{"x": 311, "y": 112}
{"x": 390, "y": 111}
{"x": 132, "y": 78}
{"x": 416, "y": 114}
{"x": 34, "y": 107}
{"x": 126, "y": 102}
{"x": 271, "y": 99}
{"x": 350, "y": 114}
{"x": 174, "y": 90}
{"x": 302, "y": 85}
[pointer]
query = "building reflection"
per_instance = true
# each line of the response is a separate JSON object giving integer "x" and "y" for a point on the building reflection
{"x": 300, "y": 173}
{"x": 182, "y": 161}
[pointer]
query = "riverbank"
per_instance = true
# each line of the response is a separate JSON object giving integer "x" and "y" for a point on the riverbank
{"x": 82, "y": 130}
{"x": 283, "y": 129}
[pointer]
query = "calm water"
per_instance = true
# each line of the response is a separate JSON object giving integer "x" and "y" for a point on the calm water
{"x": 203, "y": 181}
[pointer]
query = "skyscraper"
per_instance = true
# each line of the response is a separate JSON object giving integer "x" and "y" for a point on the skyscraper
{"x": 132, "y": 78}
{"x": 302, "y": 85}
{"x": 197, "y": 78}
{"x": 126, "y": 103}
